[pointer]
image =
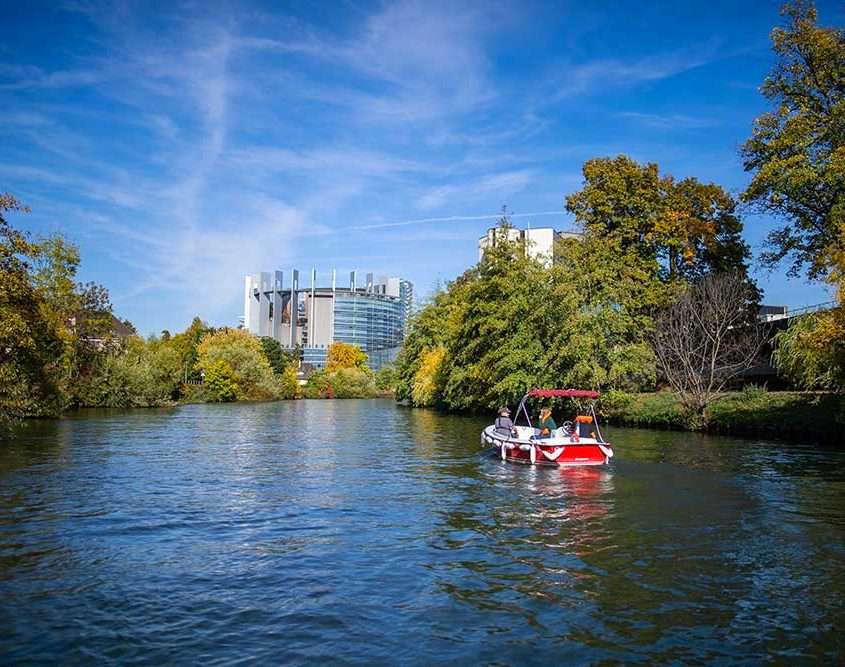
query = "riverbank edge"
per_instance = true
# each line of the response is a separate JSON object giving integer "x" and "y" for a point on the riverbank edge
{"x": 782, "y": 415}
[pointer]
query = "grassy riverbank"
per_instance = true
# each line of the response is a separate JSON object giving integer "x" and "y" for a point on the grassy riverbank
{"x": 789, "y": 414}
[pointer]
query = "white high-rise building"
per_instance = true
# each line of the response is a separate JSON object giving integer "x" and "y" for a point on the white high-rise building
{"x": 539, "y": 241}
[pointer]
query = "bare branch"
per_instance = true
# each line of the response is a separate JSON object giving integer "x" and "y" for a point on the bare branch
{"x": 706, "y": 338}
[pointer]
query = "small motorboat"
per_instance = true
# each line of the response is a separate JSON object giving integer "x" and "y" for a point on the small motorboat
{"x": 576, "y": 443}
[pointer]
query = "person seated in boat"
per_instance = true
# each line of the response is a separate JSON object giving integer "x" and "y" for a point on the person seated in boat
{"x": 546, "y": 424}
{"x": 504, "y": 424}
{"x": 584, "y": 425}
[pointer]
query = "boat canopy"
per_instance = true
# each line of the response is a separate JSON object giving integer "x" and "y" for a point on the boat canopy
{"x": 570, "y": 393}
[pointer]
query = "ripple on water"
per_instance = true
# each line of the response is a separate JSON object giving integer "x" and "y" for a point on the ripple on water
{"x": 362, "y": 532}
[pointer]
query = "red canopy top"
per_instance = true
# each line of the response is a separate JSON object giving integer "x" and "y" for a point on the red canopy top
{"x": 572, "y": 393}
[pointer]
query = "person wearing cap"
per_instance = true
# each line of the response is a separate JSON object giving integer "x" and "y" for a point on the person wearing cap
{"x": 504, "y": 424}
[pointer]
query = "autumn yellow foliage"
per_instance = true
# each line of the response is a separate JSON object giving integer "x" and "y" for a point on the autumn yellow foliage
{"x": 425, "y": 387}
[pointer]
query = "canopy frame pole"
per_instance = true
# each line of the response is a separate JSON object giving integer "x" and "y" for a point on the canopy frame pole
{"x": 522, "y": 407}
{"x": 596, "y": 420}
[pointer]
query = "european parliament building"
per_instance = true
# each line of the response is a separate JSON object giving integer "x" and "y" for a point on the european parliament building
{"x": 371, "y": 315}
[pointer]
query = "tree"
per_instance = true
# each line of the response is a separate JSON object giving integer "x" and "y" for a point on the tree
{"x": 278, "y": 359}
{"x": 186, "y": 344}
{"x": 351, "y": 383}
{"x": 386, "y": 378}
{"x": 289, "y": 383}
{"x": 497, "y": 330}
{"x": 677, "y": 230}
{"x": 797, "y": 150}
{"x": 811, "y": 351}
{"x": 343, "y": 355}
{"x": 707, "y": 337}
{"x": 132, "y": 373}
{"x": 250, "y": 371}
{"x": 606, "y": 300}
{"x": 220, "y": 380}
{"x": 31, "y": 340}
{"x": 427, "y": 330}
{"x": 428, "y": 380}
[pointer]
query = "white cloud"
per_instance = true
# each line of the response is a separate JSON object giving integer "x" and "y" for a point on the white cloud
{"x": 455, "y": 218}
{"x": 602, "y": 74}
{"x": 671, "y": 121}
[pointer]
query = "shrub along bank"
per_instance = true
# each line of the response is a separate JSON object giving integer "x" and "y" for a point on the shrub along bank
{"x": 753, "y": 411}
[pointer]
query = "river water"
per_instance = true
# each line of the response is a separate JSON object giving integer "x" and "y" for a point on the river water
{"x": 361, "y": 532}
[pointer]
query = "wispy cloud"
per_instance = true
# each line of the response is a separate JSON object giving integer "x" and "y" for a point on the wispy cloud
{"x": 187, "y": 145}
{"x": 456, "y": 218}
{"x": 494, "y": 186}
{"x": 669, "y": 121}
{"x": 603, "y": 74}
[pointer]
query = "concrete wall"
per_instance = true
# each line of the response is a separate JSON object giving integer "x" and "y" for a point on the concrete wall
{"x": 257, "y": 304}
{"x": 540, "y": 244}
{"x": 323, "y": 320}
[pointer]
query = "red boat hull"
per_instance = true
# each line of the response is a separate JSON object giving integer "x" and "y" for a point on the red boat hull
{"x": 572, "y": 455}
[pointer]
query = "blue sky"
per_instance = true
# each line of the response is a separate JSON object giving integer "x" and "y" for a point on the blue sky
{"x": 182, "y": 145}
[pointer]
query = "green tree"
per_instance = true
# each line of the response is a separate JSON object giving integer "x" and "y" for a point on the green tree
{"x": 497, "y": 341}
{"x": 243, "y": 353}
{"x": 605, "y": 300}
{"x": 31, "y": 340}
{"x": 278, "y": 359}
{"x": 677, "y": 230}
{"x": 386, "y": 377}
{"x": 343, "y": 355}
{"x": 811, "y": 351}
{"x": 220, "y": 380}
{"x": 797, "y": 151}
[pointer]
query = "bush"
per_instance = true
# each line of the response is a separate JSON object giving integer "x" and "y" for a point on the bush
{"x": 343, "y": 383}
{"x": 220, "y": 381}
{"x": 352, "y": 383}
{"x": 289, "y": 383}
{"x": 660, "y": 409}
{"x": 251, "y": 372}
{"x": 138, "y": 374}
{"x": 387, "y": 377}
{"x": 752, "y": 410}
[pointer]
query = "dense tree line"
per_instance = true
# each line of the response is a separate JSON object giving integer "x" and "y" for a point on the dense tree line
{"x": 651, "y": 248}
{"x": 59, "y": 347}
{"x": 511, "y": 323}
{"x": 650, "y": 245}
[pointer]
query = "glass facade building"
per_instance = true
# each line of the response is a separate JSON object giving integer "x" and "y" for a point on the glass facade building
{"x": 371, "y": 314}
{"x": 373, "y": 322}
{"x": 370, "y": 321}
